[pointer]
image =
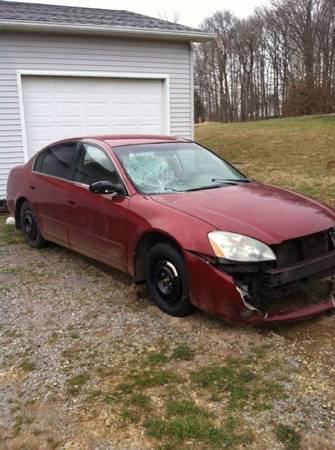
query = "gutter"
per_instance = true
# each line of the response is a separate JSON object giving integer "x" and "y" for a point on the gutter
{"x": 106, "y": 31}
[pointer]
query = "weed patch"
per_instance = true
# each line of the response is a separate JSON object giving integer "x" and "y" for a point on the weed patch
{"x": 154, "y": 378}
{"x": 238, "y": 382}
{"x": 18, "y": 422}
{"x": 185, "y": 408}
{"x": 141, "y": 400}
{"x": 288, "y": 436}
{"x": 27, "y": 365}
{"x": 183, "y": 352}
{"x": 228, "y": 379}
{"x": 9, "y": 235}
{"x": 200, "y": 429}
{"x": 155, "y": 359}
{"x": 111, "y": 399}
{"x": 129, "y": 415}
{"x": 79, "y": 380}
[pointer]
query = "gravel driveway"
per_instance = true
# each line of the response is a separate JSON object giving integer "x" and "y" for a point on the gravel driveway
{"x": 88, "y": 362}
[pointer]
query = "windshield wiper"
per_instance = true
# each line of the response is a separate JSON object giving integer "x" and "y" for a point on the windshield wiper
{"x": 212, "y": 186}
{"x": 221, "y": 181}
{"x": 230, "y": 180}
{"x": 168, "y": 188}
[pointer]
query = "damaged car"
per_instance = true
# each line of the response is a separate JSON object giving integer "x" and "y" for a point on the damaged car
{"x": 181, "y": 219}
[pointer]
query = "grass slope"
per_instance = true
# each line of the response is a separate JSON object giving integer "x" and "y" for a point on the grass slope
{"x": 298, "y": 153}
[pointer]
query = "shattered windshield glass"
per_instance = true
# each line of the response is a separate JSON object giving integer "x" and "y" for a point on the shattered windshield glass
{"x": 175, "y": 167}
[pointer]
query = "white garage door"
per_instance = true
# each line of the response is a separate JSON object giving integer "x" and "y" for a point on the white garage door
{"x": 60, "y": 107}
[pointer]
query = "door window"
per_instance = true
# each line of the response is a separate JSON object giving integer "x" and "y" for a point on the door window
{"x": 56, "y": 160}
{"x": 94, "y": 165}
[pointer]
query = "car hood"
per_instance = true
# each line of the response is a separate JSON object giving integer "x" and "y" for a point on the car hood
{"x": 264, "y": 212}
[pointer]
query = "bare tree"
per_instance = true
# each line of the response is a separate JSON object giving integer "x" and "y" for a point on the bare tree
{"x": 280, "y": 61}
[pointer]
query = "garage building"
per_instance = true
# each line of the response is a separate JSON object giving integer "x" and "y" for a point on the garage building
{"x": 68, "y": 71}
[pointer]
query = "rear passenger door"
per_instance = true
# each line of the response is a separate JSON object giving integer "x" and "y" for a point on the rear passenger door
{"x": 50, "y": 183}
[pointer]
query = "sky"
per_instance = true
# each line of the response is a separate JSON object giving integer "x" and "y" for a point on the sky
{"x": 189, "y": 12}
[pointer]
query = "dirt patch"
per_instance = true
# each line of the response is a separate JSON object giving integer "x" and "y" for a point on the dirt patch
{"x": 331, "y": 165}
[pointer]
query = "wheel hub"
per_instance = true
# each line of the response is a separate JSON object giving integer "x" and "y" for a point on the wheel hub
{"x": 167, "y": 281}
{"x": 29, "y": 225}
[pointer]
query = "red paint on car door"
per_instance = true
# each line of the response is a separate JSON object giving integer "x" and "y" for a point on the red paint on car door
{"x": 49, "y": 185}
{"x": 97, "y": 222}
{"x": 51, "y": 207}
{"x": 97, "y": 225}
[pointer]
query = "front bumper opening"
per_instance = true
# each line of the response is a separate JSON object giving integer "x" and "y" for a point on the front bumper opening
{"x": 302, "y": 278}
{"x": 313, "y": 293}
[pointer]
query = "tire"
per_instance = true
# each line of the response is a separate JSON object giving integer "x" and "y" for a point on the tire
{"x": 29, "y": 226}
{"x": 166, "y": 279}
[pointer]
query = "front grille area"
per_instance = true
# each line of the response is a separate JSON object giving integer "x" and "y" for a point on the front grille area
{"x": 310, "y": 294}
{"x": 303, "y": 248}
{"x": 302, "y": 275}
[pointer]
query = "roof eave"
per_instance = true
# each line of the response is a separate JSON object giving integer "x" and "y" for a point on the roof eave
{"x": 107, "y": 31}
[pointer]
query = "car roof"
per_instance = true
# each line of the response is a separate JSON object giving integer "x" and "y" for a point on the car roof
{"x": 116, "y": 140}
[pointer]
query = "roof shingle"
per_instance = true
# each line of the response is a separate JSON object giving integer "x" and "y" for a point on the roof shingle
{"x": 70, "y": 15}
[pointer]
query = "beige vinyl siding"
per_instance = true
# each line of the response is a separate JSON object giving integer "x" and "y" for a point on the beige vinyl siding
{"x": 56, "y": 52}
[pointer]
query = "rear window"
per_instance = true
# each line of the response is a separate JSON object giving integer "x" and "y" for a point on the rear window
{"x": 56, "y": 161}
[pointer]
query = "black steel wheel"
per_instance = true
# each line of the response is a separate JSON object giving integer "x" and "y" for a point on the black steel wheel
{"x": 166, "y": 279}
{"x": 30, "y": 227}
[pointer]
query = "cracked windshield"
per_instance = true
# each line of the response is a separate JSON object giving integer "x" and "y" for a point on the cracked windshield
{"x": 175, "y": 167}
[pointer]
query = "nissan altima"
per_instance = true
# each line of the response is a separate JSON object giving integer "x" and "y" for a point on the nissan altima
{"x": 181, "y": 219}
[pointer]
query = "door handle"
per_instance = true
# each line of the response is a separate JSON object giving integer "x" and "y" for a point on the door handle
{"x": 71, "y": 202}
{"x": 32, "y": 187}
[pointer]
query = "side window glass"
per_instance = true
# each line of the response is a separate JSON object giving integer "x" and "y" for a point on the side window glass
{"x": 57, "y": 160}
{"x": 38, "y": 162}
{"x": 94, "y": 165}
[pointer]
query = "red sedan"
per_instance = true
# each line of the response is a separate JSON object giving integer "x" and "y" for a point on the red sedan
{"x": 184, "y": 221}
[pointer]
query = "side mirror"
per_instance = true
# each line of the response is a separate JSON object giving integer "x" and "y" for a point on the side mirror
{"x": 105, "y": 187}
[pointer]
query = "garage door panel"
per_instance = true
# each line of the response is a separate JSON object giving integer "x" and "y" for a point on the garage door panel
{"x": 40, "y": 97}
{"x": 150, "y": 109}
{"x": 97, "y": 129}
{"x": 40, "y": 132}
{"x": 97, "y": 109}
{"x": 39, "y": 91}
{"x": 150, "y": 129}
{"x": 124, "y": 87}
{"x": 70, "y": 130}
{"x": 126, "y": 128}
{"x": 124, "y": 110}
{"x": 68, "y": 85}
{"x": 37, "y": 110}
{"x": 68, "y": 109}
{"x": 60, "y": 107}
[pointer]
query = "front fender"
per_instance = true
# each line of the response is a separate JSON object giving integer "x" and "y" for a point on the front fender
{"x": 145, "y": 215}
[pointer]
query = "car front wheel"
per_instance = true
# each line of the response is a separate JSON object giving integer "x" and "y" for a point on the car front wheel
{"x": 166, "y": 278}
{"x": 30, "y": 227}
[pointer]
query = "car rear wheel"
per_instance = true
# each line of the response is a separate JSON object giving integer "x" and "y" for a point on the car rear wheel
{"x": 166, "y": 279}
{"x": 30, "y": 227}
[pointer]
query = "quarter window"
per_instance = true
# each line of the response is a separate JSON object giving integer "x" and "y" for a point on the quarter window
{"x": 94, "y": 165}
{"x": 38, "y": 162}
{"x": 57, "y": 160}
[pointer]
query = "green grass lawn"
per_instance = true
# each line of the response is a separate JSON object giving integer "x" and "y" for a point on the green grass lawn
{"x": 298, "y": 153}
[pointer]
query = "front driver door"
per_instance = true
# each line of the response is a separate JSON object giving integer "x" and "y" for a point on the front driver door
{"x": 97, "y": 222}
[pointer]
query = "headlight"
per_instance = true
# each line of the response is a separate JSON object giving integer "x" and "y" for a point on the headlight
{"x": 236, "y": 247}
